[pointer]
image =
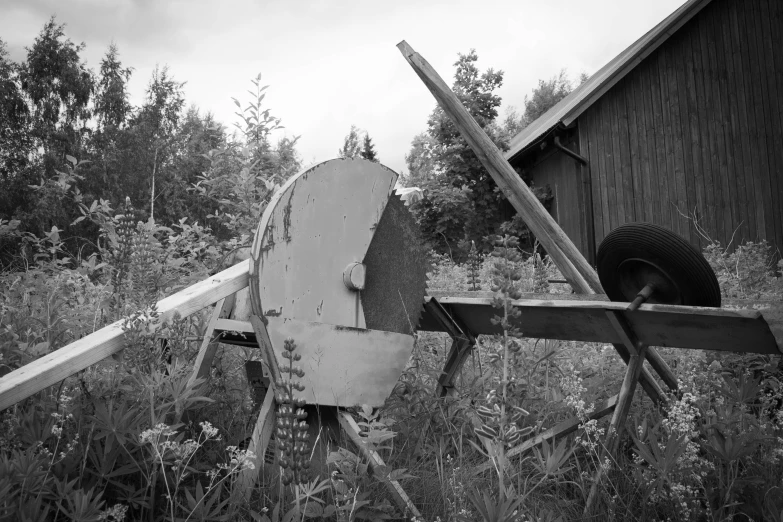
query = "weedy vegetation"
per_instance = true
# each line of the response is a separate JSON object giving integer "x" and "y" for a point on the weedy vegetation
{"x": 132, "y": 438}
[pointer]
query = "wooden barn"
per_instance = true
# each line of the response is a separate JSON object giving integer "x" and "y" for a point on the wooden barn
{"x": 685, "y": 123}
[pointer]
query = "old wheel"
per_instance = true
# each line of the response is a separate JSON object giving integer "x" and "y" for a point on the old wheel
{"x": 645, "y": 262}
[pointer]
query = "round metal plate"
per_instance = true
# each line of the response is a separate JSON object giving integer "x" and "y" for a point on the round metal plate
{"x": 321, "y": 220}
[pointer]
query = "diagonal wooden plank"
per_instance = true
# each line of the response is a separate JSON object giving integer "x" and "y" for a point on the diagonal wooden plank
{"x": 262, "y": 434}
{"x": 351, "y": 429}
{"x": 564, "y": 253}
{"x": 56, "y": 366}
{"x": 209, "y": 345}
{"x": 562, "y": 429}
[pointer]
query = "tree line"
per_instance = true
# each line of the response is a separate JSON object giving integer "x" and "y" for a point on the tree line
{"x": 70, "y": 138}
{"x": 72, "y": 145}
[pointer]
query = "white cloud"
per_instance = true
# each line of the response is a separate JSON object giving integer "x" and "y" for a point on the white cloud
{"x": 331, "y": 64}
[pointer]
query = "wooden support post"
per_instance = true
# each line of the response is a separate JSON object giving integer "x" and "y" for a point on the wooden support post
{"x": 564, "y": 253}
{"x": 624, "y": 399}
{"x": 209, "y": 344}
{"x": 351, "y": 429}
{"x": 262, "y": 433}
{"x": 459, "y": 352}
{"x": 267, "y": 352}
{"x": 463, "y": 342}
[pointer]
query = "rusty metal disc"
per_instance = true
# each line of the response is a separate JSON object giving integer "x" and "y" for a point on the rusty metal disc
{"x": 397, "y": 262}
{"x": 337, "y": 266}
{"x": 637, "y": 254}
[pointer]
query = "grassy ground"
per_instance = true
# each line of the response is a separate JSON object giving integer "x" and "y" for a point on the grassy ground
{"x": 130, "y": 440}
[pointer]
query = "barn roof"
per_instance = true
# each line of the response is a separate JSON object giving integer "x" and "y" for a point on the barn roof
{"x": 569, "y": 108}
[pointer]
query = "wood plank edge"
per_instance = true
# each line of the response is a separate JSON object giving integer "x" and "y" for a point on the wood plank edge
{"x": 562, "y": 429}
{"x": 78, "y": 355}
{"x": 352, "y": 430}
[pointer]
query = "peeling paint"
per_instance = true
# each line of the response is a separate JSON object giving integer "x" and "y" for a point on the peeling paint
{"x": 341, "y": 328}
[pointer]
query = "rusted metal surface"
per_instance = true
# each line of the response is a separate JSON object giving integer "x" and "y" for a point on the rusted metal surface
{"x": 344, "y": 366}
{"x": 321, "y": 220}
{"x": 397, "y": 262}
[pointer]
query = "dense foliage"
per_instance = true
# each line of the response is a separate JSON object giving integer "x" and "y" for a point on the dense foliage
{"x": 69, "y": 135}
{"x": 134, "y": 438}
{"x": 451, "y": 175}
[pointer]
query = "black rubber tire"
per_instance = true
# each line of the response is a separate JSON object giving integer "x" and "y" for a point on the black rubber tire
{"x": 662, "y": 247}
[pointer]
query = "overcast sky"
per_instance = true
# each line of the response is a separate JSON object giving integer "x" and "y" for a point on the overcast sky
{"x": 333, "y": 63}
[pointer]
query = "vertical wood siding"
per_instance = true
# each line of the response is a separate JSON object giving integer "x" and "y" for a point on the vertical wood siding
{"x": 570, "y": 208}
{"x": 696, "y": 129}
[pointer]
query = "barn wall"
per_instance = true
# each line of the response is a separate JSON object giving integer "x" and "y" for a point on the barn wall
{"x": 696, "y": 129}
{"x": 563, "y": 175}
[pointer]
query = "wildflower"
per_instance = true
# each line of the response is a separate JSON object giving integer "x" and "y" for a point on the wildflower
{"x": 209, "y": 430}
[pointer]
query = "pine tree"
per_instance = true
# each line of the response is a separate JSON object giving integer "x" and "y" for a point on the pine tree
{"x": 474, "y": 268}
{"x": 368, "y": 150}
{"x": 351, "y": 148}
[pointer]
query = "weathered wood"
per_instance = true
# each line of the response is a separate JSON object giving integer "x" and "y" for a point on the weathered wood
{"x": 624, "y": 401}
{"x": 209, "y": 345}
{"x": 450, "y": 324}
{"x": 558, "y": 431}
{"x": 738, "y": 162}
{"x": 66, "y": 361}
{"x": 460, "y": 350}
{"x": 351, "y": 429}
{"x": 740, "y": 329}
{"x": 568, "y": 259}
{"x": 566, "y": 256}
{"x": 623, "y": 331}
{"x": 770, "y": 109}
{"x": 259, "y": 441}
{"x": 234, "y": 325}
{"x": 267, "y": 351}
{"x": 462, "y": 343}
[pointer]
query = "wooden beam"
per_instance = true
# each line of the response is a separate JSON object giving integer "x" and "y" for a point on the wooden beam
{"x": 262, "y": 433}
{"x": 56, "y": 366}
{"x": 622, "y": 329}
{"x": 624, "y": 401}
{"x": 451, "y": 324}
{"x": 460, "y": 349}
{"x": 267, "y": 351}
{"x": 209, "y": 344}
{"x": 560, "y": 430}
{"x": 351, "y": 429}
{"x": 463, "y": 341}
{"x": 563, "y": 251}
{"x": 738, "y": 330}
